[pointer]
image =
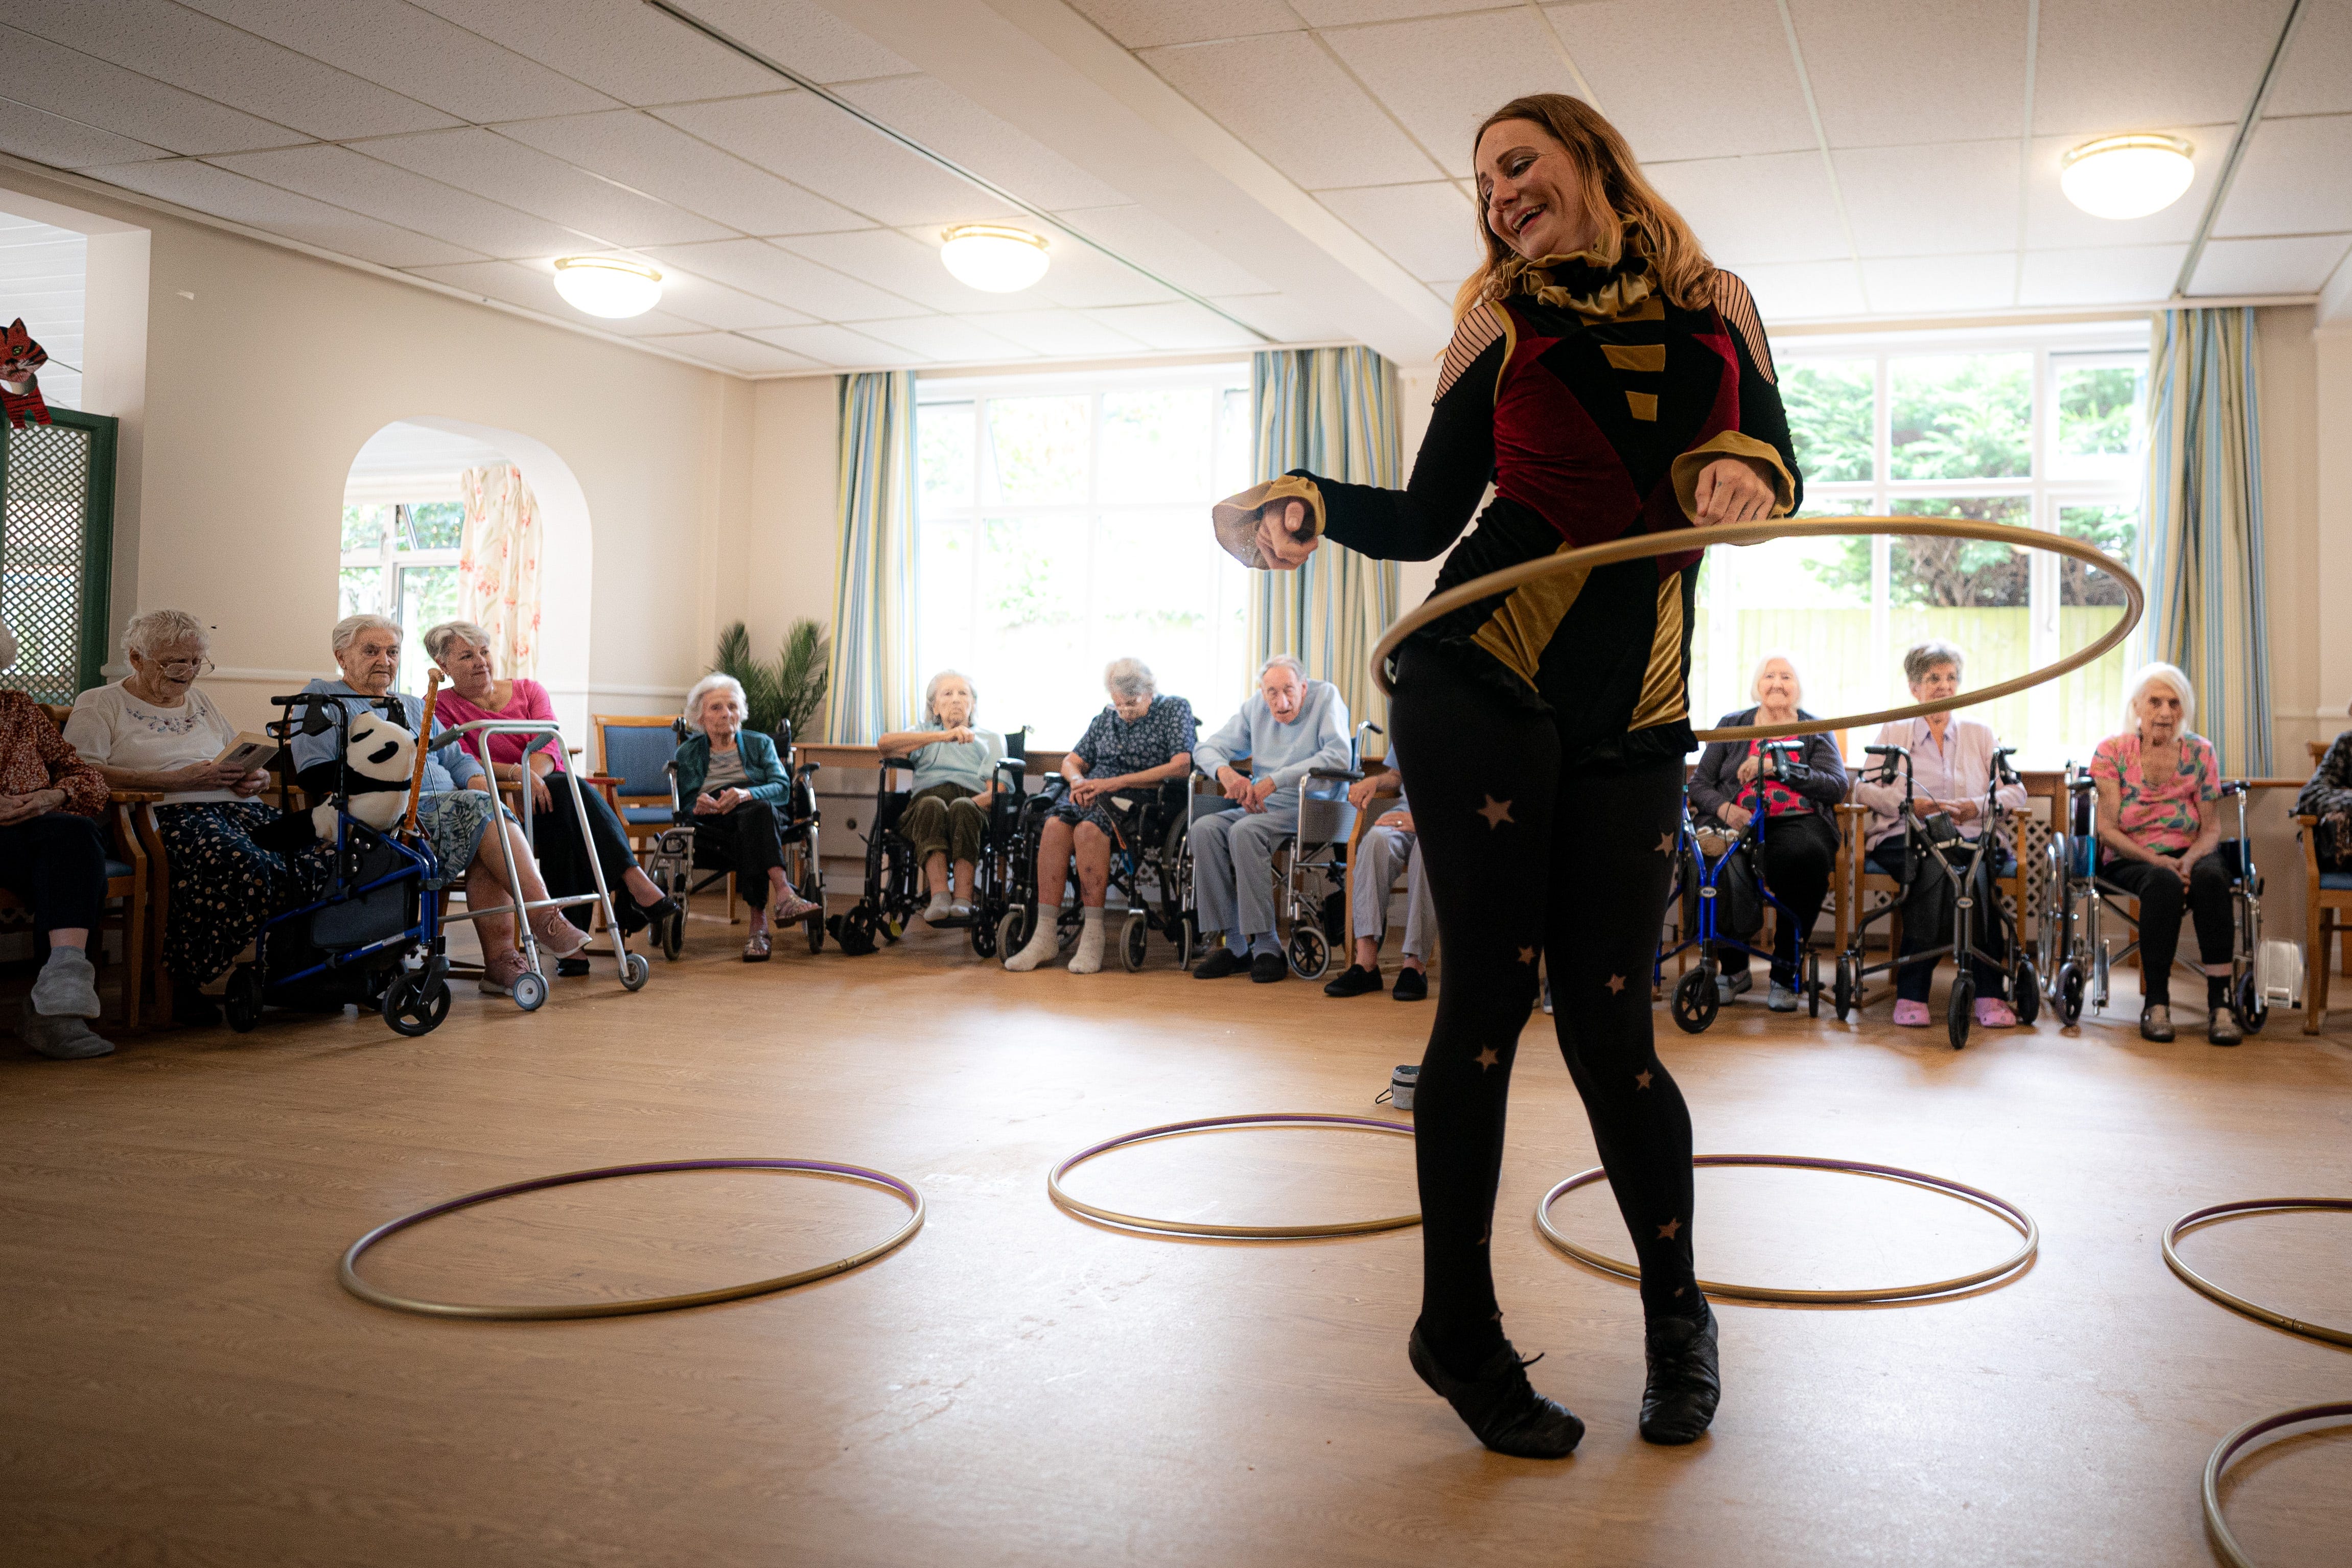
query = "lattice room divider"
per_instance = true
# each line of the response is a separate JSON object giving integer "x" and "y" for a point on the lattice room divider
{"x": 57, "y": 550}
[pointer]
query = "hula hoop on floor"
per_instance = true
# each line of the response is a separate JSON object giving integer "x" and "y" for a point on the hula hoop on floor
{"x": 2001, "y": 1207}
{"x": 1228, "y": 1232}
{"x": 2224, "y": 1543}
{"x": 349, "y": 1273}
{"x": 1639, "y": 546}
{"x": 2207, "y": 1289}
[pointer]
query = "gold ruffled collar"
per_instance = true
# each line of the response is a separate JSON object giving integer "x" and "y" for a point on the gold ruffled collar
{"x": 1583, "y": 280}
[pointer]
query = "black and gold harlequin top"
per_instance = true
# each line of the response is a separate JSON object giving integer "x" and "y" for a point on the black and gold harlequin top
{"x": 1592, "y": 403}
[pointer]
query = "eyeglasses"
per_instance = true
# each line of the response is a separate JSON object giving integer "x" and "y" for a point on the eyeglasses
{"x": 187, "y": 669}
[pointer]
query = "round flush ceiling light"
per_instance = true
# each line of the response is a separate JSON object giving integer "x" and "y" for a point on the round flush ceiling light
{"x": 992, "y": 258}
{"x": 608, "y": 285}
{"x": 2126, "y": 176}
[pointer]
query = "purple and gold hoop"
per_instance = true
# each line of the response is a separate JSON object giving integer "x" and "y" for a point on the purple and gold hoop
{"x": 1228, "y": 1232}
{"x": 2207, "y": 1289}
{"x": 2225, "y": 1545}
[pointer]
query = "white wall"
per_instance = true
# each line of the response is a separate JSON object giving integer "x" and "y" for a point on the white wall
{"x": 786, "y": 569}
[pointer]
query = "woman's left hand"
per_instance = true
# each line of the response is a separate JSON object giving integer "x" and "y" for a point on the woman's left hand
{"x": 541, "y": 799}
{"x": 1732, "y": 490}
{"x": 1279, "y": 525}
{"x": 1747, "y": 771}
{"x": 252, "y": 784}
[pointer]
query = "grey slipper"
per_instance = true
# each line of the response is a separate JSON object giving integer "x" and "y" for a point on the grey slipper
{"x": 67, "y": 986}
{"x": 61, "y": 1039}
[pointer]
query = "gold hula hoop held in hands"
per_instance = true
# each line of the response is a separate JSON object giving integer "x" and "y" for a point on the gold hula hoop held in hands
{"x": 1639, "y": 546}
{"x": 2198, "y": 1218}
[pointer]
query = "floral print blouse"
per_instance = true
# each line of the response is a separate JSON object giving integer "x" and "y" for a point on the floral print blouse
{"x": 1112, "y": 747}
{"x": 34, "y": 756}
{"x": 2328, "y": 797}
{"x": 2164, "y": 814}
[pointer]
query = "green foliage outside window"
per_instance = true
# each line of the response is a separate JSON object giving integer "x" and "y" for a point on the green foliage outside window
{"x": 1830, "y": 419}
{"x": 1962, "y": 416}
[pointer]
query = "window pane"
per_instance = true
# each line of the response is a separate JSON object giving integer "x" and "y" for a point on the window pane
{"x": 944, "y": 431}
{"x": 1029, "y": 645}
{"x": 1235, "y": 456}
{"x": 2090, "y": 603}
{"x": 1832, "y": 418}
{"x": 2114, "y": 531}
{"x": 362, "y": 590}
{"x": 1039, "y": 444}
{"x": 2099, "y": 410}
{"x": 1960, "y": 573}
{"x": 943, "y": 620}
{"x": 1962, "y": 416}
{"x": 428, "y": 596}
{"x": 437, "y": 524}
{"x": 363, "y": 527}
{"x": 1155, "y": 445}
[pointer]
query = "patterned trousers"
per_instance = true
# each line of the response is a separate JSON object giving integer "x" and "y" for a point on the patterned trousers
{"x": 224, "y": 885}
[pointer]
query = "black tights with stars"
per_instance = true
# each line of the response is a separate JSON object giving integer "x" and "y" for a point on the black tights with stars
{"x": 1521, "y": 859}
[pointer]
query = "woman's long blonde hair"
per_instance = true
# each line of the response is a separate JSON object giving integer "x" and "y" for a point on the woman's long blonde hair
{"x": 1627, "y": 210}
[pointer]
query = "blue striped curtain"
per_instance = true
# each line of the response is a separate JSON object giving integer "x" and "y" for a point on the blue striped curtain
{"x": 2202, "y": 547}
{"x": 1333, "y": 411}
{"x": 872, "y": 686}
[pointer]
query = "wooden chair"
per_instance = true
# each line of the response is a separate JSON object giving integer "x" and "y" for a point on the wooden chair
{"x": 2327, "y": 898}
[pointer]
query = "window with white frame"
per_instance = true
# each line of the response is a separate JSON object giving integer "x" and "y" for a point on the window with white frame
{"x": 400, "y": 560}
{"x": 1063, "y": 522}
{"x": 2042, "y": 431}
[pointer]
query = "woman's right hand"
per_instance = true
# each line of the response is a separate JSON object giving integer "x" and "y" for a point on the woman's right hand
{"x": 206, "y": 776}
{"x": 541, "y": 799}
{"x": 1280, "y": 525}
{"x": 1736, "y": 817}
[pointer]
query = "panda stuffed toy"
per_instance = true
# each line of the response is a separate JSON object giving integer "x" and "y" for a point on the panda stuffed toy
{"x": 377, "y": 763}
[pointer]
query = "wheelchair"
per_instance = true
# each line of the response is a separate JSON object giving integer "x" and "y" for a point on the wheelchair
{"x": 1720, "y": 889}
{"x": 894, "y": 892}
{"x": 675, "y": 855}
{"x": 2073, "y": 945}
{"x": 1968, "y": 866}
{"x": 1150, "y": 848}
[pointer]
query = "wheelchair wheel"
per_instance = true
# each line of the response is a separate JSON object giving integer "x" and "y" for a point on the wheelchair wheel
{"x": 672, "y": 935}
{"x": 243, "y": 1003}
{"x": 2254, "y": 1011}
{"x": 981, "y": 936}
{"x": 1013, "y": 930}
{"x": 1310, "y": 951}
{"x": 2025, "y": 992}
{"x": 1133, "y": 941}
{"x": 1960, "y": 1012}
{"x": 635, "y": 970}
{"x": 816, "y": 924}
{"x": 1813, "y": 984}
{"x": 1188, "y": 941}
{"x": 2070, "y": 993}
{"x": 1841, "y": 998}
{"x": 530, "y": 991}
{"x": 415, "y": 1004}
{"x": 1695, "y": 1003}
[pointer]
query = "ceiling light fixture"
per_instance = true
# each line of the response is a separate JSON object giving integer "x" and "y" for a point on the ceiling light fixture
{"x": 994, "y": 259}
{"x": 2126, "y": 176}
{"x": 608, "y": 285}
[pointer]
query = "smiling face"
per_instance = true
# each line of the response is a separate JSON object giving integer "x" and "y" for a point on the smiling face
{"x": 469, "y": 665}
{"x": 1776, "y": 687}
{"x": 951, "y": 704}
{"x": 1941, "y": 681}
{"x": 1283, "y": 692}
{"x": 1532, "y": 190}
{"x": 371, "y": 662}
{"x": 2159, "y": 713}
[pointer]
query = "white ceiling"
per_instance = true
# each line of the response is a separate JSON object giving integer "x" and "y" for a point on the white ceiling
{"x": 1298, "y": 164}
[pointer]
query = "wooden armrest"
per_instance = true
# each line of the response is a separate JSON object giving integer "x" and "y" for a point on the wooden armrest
{"x": 600, "y": 780}
{"x": 134, "y": 796}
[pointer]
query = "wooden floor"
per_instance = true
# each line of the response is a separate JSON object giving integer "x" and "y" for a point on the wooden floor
{"x": 183, "y": 1381}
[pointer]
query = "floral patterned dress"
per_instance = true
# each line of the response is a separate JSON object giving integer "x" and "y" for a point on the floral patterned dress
{"x": 2164, "y": 814}
{"x": 2328, "y": 797}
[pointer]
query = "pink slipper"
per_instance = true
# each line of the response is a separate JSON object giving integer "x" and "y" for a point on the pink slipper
{"x": 1911, "y": 1015}
{"x": 1994, "y": 1013}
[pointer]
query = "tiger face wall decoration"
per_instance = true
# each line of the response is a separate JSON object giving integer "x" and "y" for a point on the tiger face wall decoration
{"x": 20, "y": 390}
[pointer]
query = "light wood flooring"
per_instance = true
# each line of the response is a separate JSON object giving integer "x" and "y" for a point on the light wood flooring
{"x": 182, "y": 1381}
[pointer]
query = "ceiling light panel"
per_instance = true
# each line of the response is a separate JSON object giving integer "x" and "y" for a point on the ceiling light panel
{"x": 954, "y": 127}
{"x": 226, "y": 194}
{"x": 63, "y": 144}
{"x": 836, "y": 346}
{"x": 2296, "y": 178}
{"x": 758, "y": 267}
{"x": 663, "y": 162}
{"x": 528, "y": 180}
{"x": 815, "y": 145}
{"x": 2100, "y": 275}
{"x": 2108, "y": 67}
{"x": 533, "y": 289}
{"x": 1442, "y": 77}
{"x": 1777, "y": 207}
{"x": 736, "y": 353}
{"x": 2055, "y": 222}
{"x": 1625, "y": 48}
{"x": 2298, "y": 265}
{"x": 68, "y": 82}
{"x": 1147, "y": 24}
{"x": 1296, "y": 108}
{"x": 345, "y": 178}
{"x": 803, "y": 35}
{"x": 1893, "y": 75}
{"x": 1954, "y": 198}
{"x": 1430, "y": 230}
{"x": 624, "y": 48}
{"x": 412, "y": 51}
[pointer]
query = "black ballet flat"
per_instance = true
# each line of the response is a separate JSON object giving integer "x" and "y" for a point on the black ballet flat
{"x": 1499, "y": 1405}
{"x": 1679, "y": 1402}
{"x": 636, "y": 916}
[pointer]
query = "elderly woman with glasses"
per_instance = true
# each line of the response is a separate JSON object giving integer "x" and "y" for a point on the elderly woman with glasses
{"x": 154, "y": 730}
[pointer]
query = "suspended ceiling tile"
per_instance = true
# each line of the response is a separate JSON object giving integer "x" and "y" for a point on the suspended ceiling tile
{"x": 528, "y": 180}
{"x": 2053, "y": 222}
{"x": 343, "y": 177}
{"x": 1145, "y": 23}
{"x": 1444, "y": 74}
{"x": 1954, "y": 198}
{"x": 1627, "y": 47}
{"x": 1284, "y": 97}
{"x": 2299, "y": 264}
{"x": 1803, "y": 290}
{"x": 412, "y": 51}
{"x": 663, "y": 162}
{"x": 1285, "y": 318}
{"x": 947, "y": 339}
{"x": 836, "y": 346}
{"x": 810, "y": 142}
{"x": 1150, "y": 241}
{"x": 906, "y": 265}
{"x": 802, "y": 35}
{"x": 63, "y": 81}
{"x": 624, "y": 48}
{"x": 62, "y": 143}
{"x": 1776, "y": 207}
{"x": 2105, "y": 67}
{"x": 532, "y": 286}
{"x": 1082, "y": 276}
{"x": 1063, "y": 333}
{"x": 1886, "y": 74}
{"x": 1347, "y": 13}
{"x": 1928, "y": 285}
{"x": 710, "y": 304}
{"x": 2295, "y": 178}
{"x": 736, "y": 353}
{"x": 2317, "y": 76}
{"x": 954, "y": 127}
{"x": 2100, "y": 275}
{"x": 1183, "y": 325}
{"x": 760, "y": 268}
{"x": 1430, "y": 230}
{"x": 266, "y": 207}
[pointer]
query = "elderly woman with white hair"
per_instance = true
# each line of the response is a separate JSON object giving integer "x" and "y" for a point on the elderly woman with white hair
{"x": 53, "y": 858}
{"x": 1134, "y": 745}
{"x": 955, "y": 765}
{"x": 154, "y": 730}
{"x": 1737, "y": 779}
{"x": 2158, "y": 786}
{"x": 731, "y": 783}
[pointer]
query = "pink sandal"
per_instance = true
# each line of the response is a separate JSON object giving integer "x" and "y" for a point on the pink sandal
{"x": 1994, "y": 1013}
{"x": 1911, "y": 1015}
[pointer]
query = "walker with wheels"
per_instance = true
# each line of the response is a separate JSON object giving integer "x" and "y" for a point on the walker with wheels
{"x": 1715, "y": 867}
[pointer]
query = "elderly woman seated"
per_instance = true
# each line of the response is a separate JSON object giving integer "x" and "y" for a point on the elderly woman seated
{"x": 2158, "y": 831}
{"x": 154, "y": 730}
{"x": 729, "y": 783}
{"x": 569, "y": 850}
{"x": 2328, "y": 794}
{"x": 456, "y": 809}
{"x": 954, "y": 779}
{"x": 1800, "y": 835}
{"x": 1388, "y": 844}
{"x": 1951, "y": 768}
{"x": 53, "y": 858}
{"x": 1140, "y": 740}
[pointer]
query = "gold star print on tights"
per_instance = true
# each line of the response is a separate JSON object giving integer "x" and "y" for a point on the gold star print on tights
{"x": 1497, "y": 812}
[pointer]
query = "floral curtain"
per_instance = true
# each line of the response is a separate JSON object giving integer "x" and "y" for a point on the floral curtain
{"x": 498, "y": 565}
{"x": 873, "y": 685}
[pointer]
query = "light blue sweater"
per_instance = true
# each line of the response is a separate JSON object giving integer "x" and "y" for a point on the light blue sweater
{"x": 1317, "y": 737}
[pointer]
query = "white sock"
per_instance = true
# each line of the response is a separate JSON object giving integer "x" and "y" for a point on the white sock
{"x": 937, "y": 908}
{"x": 1088, "y": 959}
{"x": 1043, "y": 943}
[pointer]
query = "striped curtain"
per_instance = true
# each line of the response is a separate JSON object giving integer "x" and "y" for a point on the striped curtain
{"x": 1334, "y": 412}
{"x": 873, "y": 685}
{"x": 2202, "y": 547}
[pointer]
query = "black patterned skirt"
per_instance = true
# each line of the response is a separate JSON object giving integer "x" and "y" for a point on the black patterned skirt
{"x": 224, "y": 885}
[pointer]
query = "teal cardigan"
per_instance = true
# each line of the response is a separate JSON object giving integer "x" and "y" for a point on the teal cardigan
{"x": 761, "y": 763}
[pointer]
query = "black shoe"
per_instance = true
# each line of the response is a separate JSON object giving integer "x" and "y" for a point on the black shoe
{"x": 1355, "y": 980}
{"x": 2223, "y": 1029}
{"x": 1411, "y": 986}
{"x": 1684, "y": 1383}
{"x": 1499, "y": 1405}
{"x": 1218, "y": 964}
{"x": 1268, "y": 968}
{"x": 572, "y": 968}
{"x": 2158, "y": 1030}
{"x": 190, "y": 1009}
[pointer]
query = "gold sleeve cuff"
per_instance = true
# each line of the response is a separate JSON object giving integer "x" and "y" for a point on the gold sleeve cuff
{"x": 1236, "y": 515}
{"x": 1732, "y": 443}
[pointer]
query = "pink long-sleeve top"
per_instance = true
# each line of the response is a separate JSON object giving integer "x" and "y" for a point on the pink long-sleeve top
{"x": 527, "y": 700}
{"x": 1957, "y": 769}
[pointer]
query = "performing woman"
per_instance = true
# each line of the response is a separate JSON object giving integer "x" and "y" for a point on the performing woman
{"x": 1610, "y": 380}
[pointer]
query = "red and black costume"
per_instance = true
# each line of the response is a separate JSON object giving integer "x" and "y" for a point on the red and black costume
{"x": 1544, "y": 730}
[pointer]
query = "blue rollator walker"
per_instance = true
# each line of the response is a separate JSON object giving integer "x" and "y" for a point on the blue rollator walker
{"x": 1728, "y": 871}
